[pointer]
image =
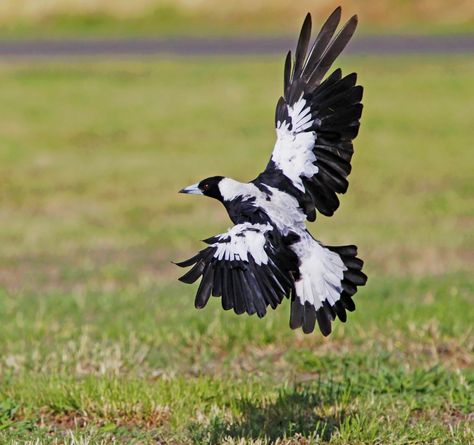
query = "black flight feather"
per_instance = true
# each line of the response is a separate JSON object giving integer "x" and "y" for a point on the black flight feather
{"x": 322, "y": 40}
{"x": 302, "y": 47}
{"x": 193, "y": 274}
{"x": 204, "y": 290}
{"x": 332, "y": 51}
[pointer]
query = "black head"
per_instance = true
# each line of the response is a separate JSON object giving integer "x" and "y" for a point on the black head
{"x": 208, "y": 187}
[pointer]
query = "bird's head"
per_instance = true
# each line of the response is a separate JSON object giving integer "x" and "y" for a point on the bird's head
{"x": 208, "y": 187}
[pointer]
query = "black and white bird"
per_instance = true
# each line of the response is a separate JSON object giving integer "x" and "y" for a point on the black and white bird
{"x": 269, "y": 253}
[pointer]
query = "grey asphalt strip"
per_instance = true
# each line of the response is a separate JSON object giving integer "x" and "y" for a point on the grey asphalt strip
{"x": 186, "y": 46}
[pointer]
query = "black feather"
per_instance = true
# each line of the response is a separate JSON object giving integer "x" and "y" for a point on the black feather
{"x": 192, "y": 275}
{"x": 355, "y": 276}
{"x": 326, "y": 86}
{"x": 336, "y": 163}
{"x": 227, "y": 302}
{"x": 345, "y": 116}
{"x": 281, "y": 112}
{"x": 230, "y": 288}
{"x": 302, "y": 47}
{"x": 239, "y": 301}
{"x": 311, "y": 214}
{"x": 258, "y": 298}
{"x": 324, "y": 321}
{"x": 218, "y": 278}
{"x": 282, "y": 278}
{"x": 348, "y": 302}
{"x": 334, "y": 159}
{"x": 296, "y": 314}
{"x": 309, "y": 318}
{"x": 353, "y": 263}
{"x": 325, "y": 199}
{"x": 327, "y": 90}
{"x": 247, "y": 295}
{"x": 349, "y": 288}
{"x": 321, "y": 42}
{"x": 340, "y": 99}
{"x": 205, "y": 287}
{"x": 296, "y": 91}
{"x": 332, "y": 52}
{"x": 287, "y": 73}
{"x": 272, "y": 297}
{"x": 336, "y": 181}
{"x": 343, "y": 150}
{"x": 329, "y": 310}
{"x": 350, "y": 250}
{"x": 211, "y": 240}
{"x": 340, "y": 311}
{"x": 190, "y": 261}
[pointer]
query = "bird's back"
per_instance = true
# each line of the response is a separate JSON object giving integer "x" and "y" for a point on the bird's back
{"x": 257, "y": 202}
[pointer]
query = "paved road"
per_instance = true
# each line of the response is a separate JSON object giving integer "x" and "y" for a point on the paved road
{"x": 459, "y": 44}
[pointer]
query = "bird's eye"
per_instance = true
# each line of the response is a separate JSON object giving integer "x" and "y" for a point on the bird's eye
{"x": 205, "y": 187}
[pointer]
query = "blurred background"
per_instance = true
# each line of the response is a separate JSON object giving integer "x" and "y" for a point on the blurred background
{"x": 212, "y": 16}
{"x": 99, "y": 343}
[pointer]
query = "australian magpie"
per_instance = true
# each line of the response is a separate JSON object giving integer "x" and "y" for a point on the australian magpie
{"x": 269, "y": 253}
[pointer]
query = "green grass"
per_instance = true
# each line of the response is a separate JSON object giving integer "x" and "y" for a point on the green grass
{"x": 99, "y": 343}
{"x": 172, "y": 24}
{"x": 213, "y": 18}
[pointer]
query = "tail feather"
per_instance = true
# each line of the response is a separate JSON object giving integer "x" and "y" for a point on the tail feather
{"x": 353, "y": 275}
{"x": 329, "y": 276}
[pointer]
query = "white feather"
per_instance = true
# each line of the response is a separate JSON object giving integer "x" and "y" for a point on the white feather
{"x": 321, "y": 272}
{"x": 241, "y": 241}
{"x": 293, "y": 151}
{"x": 282, "y": 209}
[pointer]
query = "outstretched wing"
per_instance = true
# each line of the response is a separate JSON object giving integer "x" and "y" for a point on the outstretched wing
{"x": 248, "y": 266}
{"x": 316, "y": 121}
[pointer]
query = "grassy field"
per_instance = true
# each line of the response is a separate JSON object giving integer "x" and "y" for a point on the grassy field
{"x": 85, "y": 18}
{"x": 98, "y": 342}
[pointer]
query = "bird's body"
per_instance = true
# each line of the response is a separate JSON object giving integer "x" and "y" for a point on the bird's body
{"x": 249, "y": 202}
{"x": 269, "y": 253}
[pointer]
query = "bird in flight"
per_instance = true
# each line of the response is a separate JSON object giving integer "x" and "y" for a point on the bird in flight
{"x": 269, "y": 253}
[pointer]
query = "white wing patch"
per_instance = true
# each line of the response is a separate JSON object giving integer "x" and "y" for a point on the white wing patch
{"x": 293, "y": 151}
{"x": 300, "y": 116}
{"x": 322, "y": 272}
{"x": 241, "y": 241}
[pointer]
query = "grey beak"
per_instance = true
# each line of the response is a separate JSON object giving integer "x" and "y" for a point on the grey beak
{"x": 192, "y": 190}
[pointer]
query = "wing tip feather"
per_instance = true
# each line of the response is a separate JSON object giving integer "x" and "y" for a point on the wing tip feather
{"x": 334, "y": 16}
{"x": 307, "y": 19}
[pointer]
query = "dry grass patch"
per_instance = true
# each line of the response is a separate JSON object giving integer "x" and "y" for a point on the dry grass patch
{"x": 134, "y": 418}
